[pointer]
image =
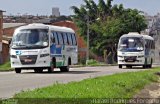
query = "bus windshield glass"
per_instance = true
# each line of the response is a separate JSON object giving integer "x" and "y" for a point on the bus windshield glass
{"x": 30, "y": 38}
{"x": 131, "y": 44}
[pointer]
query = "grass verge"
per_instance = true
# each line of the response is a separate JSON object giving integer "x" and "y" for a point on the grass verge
{"x": 6, "y": 67}
{"x": 124, "y": 85}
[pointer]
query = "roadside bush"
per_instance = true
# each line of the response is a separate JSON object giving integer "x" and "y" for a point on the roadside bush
{"x": 92, "y": 62}
{"x": 82, "y": 61}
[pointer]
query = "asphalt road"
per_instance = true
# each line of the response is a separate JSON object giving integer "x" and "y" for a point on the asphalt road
{"x": 12, "y": 83}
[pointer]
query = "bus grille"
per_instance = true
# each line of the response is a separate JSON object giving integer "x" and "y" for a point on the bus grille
{"x": 130, "y": 58}
{"x": 28, "y": 59}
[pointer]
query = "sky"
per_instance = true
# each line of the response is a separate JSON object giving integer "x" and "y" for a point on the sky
{"x": 44, "y": 7}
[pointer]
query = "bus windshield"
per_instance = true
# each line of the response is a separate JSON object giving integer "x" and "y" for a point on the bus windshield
{"x": 131, "y": 44}
{"x": 30, "y": 38}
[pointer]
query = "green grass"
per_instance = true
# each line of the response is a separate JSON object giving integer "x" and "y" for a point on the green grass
{"x": 95, "y": 63}
{"x": 5, "y": 67}
{"x": 114, "y": 86}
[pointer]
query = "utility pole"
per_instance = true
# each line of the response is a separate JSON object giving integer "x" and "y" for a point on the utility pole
{"x": 87, "y": 40}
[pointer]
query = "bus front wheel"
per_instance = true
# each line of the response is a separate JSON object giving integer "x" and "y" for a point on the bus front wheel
{"x": 144, "y": 66}
{"x": 17, "y": 70}
{"x": 120, "y": 66}
{"x": 51, "y": 69}
{"x": 53, "y": 65}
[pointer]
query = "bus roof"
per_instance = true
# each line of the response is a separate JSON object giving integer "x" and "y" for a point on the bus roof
{"x": 43, "y": 26}
{"x": 137, "y": 35}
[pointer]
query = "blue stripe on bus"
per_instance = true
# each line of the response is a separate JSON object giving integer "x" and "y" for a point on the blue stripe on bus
{"x": 57, "y": 55}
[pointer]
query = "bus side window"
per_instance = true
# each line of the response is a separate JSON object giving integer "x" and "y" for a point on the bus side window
{"x": 148, "y": 41}
{"x": 65, "y": 38}
{"x": 150, "y": 44}
{"x": 69, "y": 38}
{"x": 60, "y": 38}
{"x": 74, "y": 39}
{"x": 146, "y": 44}
{"x": 153, "y": 45}
{"x": 54, "y": 38}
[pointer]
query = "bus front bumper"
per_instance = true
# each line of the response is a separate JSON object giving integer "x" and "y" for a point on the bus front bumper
{"x": 137, "y": 62}
{"x": 43, "y": 63}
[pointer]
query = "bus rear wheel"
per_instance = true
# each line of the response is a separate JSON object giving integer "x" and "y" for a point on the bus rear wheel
{"x": 66, "y": 68}
{"x": 18, "y": 70}
{"x": 150, "y": 66}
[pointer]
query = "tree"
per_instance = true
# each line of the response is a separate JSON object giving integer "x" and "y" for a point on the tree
{"x": 114, "y": 21}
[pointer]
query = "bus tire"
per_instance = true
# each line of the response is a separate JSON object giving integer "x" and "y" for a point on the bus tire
{"x": 120, "y": 66}
{"x": 51, "y": 68}
{"x": 66, "y": 68}
{"x": 18, "y": 70}
{"x": 129, "y": 66}
{"x": 150, "y": 66}
{"x": 144, "y": 66}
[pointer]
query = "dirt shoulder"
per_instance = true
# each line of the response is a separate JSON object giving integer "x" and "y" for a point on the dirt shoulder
{"x": 151, "y": 92}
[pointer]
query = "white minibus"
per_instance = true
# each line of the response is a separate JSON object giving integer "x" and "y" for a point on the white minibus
{"x": 135, "y": 49}
{"x": 39, "y": 46}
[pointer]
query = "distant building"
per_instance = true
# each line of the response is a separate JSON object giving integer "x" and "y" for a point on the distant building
{"x": 55, "y": 12}
{"x": 8, "y": 30}
{"x": 149, "y": 19}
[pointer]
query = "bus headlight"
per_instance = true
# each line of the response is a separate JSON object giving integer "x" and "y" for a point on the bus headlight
{"x": 120, "y": 56}
{"x": 44, "y": 55}
{"x": 13, "y": 56}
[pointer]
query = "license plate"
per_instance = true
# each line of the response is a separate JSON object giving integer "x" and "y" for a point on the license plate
{"x": 28, "y": 60}
{"x": 129, "y": 60}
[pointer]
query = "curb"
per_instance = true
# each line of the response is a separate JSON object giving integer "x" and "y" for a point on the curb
{"x": 78, "y": 66}
{"x": 9, "y": 70}
{"x": 73, "y": 66}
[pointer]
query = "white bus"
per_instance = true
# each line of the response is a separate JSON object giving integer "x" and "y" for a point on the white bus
{"x": 136, "y": 50}
{"x": 39, "y": 46}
